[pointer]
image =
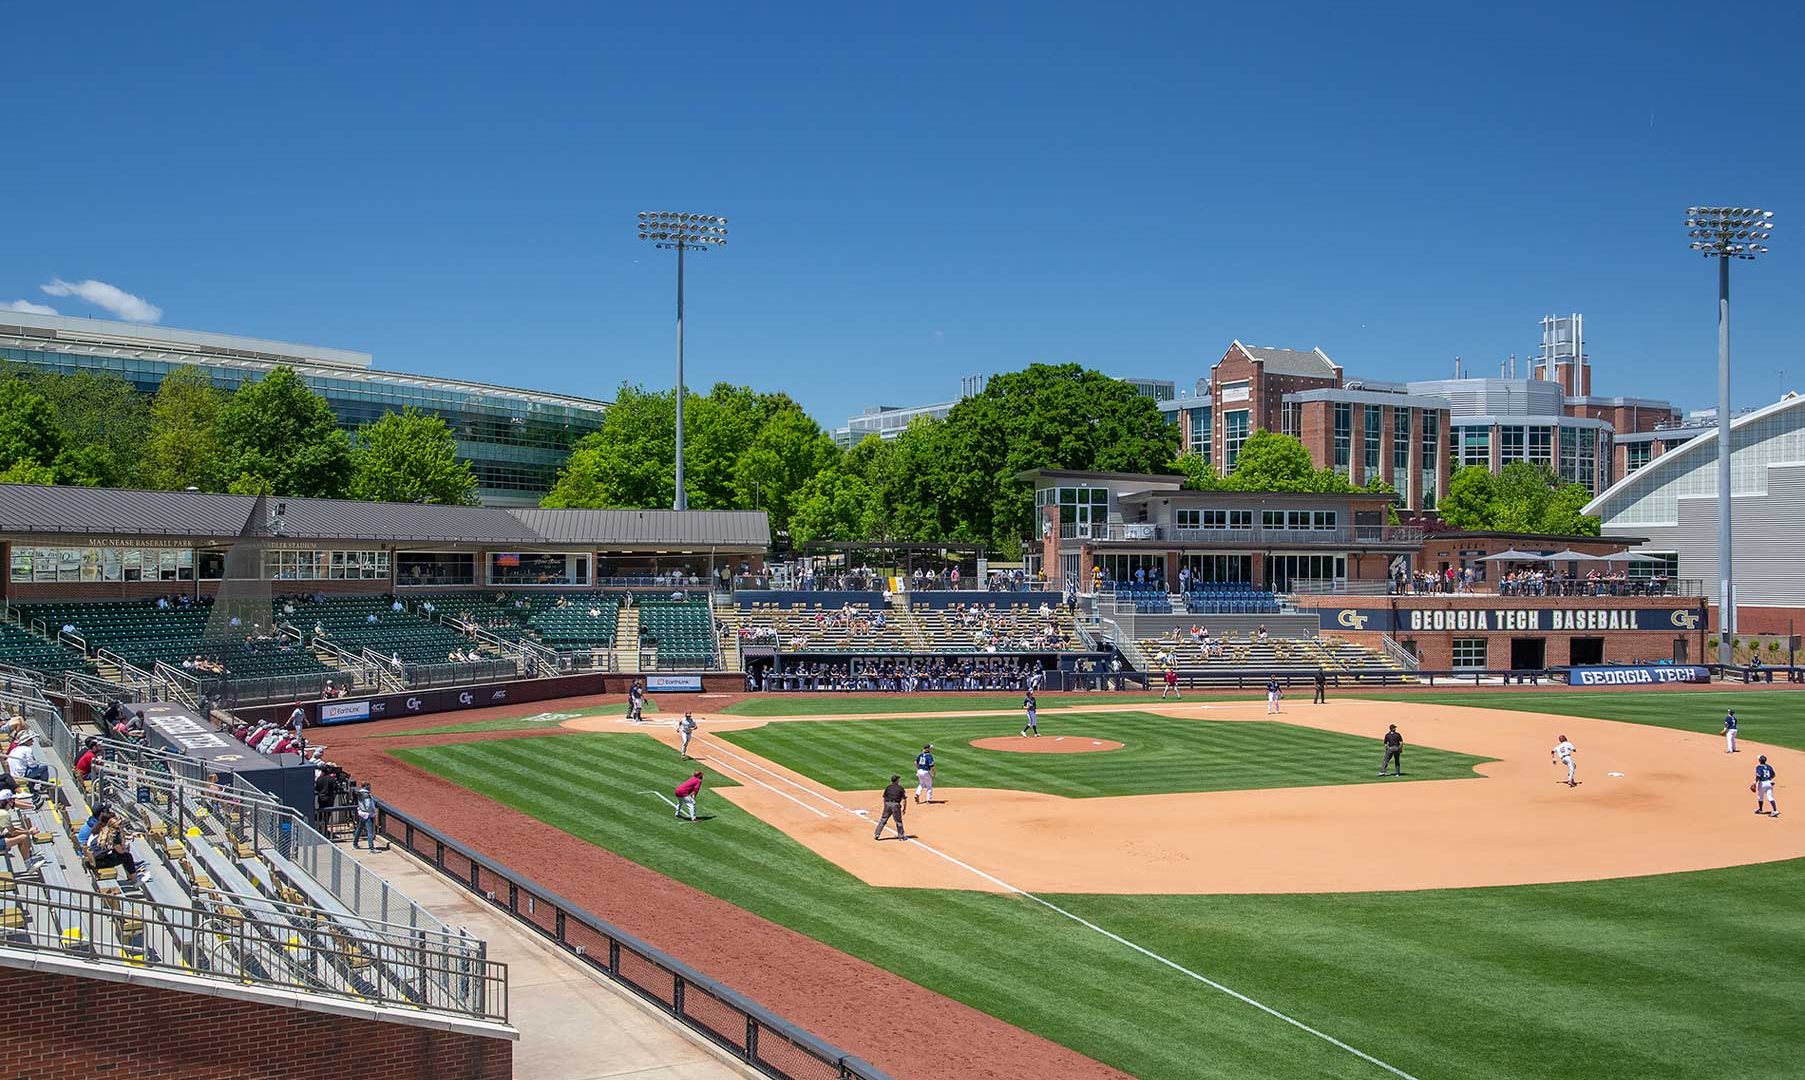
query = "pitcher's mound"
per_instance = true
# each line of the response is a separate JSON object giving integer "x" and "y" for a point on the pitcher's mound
{"x": 1047, "y": 744}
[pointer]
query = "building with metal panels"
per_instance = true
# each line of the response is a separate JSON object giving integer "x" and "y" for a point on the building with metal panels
{"x": 516, "y": 439}
{"x": 1673, "y": 502}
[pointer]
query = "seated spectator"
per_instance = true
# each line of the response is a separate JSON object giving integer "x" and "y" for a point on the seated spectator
{"x": 22, "y": 759}
{"x": 107, "y": 845}
{"x": 84, "y": 765}
{"x": 14, "y": 833}
{"x": 370, "y": 618}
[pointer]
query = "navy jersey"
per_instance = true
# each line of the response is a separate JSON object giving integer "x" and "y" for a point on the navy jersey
{"x": 1730, "y": 722}
{"x": 924, "y": 760}
{"x": 1764, "y": 772}
{"x": 1028, "y": 702}
{"x": 1272, "y": 686}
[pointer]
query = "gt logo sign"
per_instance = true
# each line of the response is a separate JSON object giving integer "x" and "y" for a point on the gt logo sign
{"x": 1685, "y": 620}
{"x": 1351, "y": 619}
{"x": 465, "y": 698}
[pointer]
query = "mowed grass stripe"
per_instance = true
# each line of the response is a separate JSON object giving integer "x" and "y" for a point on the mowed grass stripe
{"x": 1769, "y": 716}
{"x": 1004, "y": 955}
{"x": 1160, "y": 754}
{"x": 831, "y": 703}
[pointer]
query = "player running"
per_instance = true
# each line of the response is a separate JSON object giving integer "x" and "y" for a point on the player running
{"x": 1763, "y": 787}
{"x": 924, "y": 774}
{"x": 1562, "y": 754}
{"x": 686, "y": 727}
{"x": 1032, "y": 727}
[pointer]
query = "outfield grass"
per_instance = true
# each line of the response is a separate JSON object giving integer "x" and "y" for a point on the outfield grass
{"x": 1687, "y": 976}
{"x": 835, "y": 704}
{"x": 520, "y": 723}
{"x": 1769, "y": 716}
{"x": 1160, "y": 754}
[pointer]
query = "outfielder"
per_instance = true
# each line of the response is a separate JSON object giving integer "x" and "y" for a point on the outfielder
{"x": 924, "y": 773}
{"x": 1562, "y": 754}
{"x": 685, "y": 728}
{"x": 1729, "y": 732}
{"x": 1763, "y": 787}
{"x": 893, "y": 808}
{"x": 1032, "y": 727}
{"x": 686, "y": 795}
{"x": 1272, "y": 695}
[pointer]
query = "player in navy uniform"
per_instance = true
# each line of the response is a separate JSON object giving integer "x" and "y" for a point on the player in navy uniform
{"x": 1032, "y": 727}
{"x": 1272, "y": 694}
{"x": 924, "y": 774}
{"x": 1729, "y": 732}
{"x": 1764, "y": 788}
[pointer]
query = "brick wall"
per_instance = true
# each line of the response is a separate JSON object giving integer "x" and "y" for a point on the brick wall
{"x": 89, "y": 1028}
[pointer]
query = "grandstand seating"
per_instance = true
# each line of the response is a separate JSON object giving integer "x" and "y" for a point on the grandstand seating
{"x": 22, "y": 648}
{"x": 142, "y": 634}
{"x": 358, "y": 622}
{"x": 559, "y": 620}
{"x": 842, "y": 628}
{"x": 680, "y": 631}
{"x": 1145, "y": 598}
{"x": 1003, "y": 625}
{"x": 580, "y": 622}
{"x": 1278, "y": 655}
{"x": 1230, "y": 598}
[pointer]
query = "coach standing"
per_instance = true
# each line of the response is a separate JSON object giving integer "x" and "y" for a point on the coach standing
{"x": 893, "y": 808}
{"x": 1394, "y": 752}
{"x": 1322, "y": 692}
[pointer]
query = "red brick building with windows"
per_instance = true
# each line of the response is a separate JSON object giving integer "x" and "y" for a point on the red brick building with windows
{"x": 1247, "y": 390}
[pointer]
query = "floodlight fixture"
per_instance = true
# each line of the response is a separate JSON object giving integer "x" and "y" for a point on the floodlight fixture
{"x": 681, "y": 232}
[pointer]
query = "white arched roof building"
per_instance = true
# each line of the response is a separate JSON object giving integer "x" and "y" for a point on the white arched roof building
{"x": 1673, "y": 501}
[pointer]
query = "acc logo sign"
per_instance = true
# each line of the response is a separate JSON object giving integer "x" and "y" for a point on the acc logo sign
{"x": 1685, "y": 620}
{"x": 1351, "y": 620}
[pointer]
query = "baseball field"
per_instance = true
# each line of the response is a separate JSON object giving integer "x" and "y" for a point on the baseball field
{"x": 1195, "y": 889}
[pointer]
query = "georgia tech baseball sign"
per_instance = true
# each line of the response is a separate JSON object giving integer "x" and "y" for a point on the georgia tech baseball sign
{"x": 1506, "y": 620}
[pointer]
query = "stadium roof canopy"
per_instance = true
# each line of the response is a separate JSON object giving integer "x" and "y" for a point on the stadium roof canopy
{"x": 31, "y": 510}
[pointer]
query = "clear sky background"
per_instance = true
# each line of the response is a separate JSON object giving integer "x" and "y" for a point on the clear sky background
{"x": 918, "y": 191}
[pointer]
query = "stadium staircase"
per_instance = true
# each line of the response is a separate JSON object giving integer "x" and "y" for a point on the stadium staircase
{"x": 626, "y": 629}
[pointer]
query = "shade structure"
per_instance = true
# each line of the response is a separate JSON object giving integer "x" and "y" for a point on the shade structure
{"x": 1570, "y": 555}
{"x": 1634, "y": 556}
{"x": 1513, "y": 555}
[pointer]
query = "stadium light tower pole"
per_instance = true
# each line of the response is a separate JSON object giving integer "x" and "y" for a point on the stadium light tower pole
{"x": 1724, "y": 233}
{"x": 681, "y": 233}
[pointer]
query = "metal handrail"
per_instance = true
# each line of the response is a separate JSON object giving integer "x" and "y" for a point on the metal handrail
{"x": 1404, "y": 657}
{"x": 734, "y": 1023}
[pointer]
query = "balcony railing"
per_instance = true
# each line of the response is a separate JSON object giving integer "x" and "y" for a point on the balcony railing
{"x": 1400, "y": 535}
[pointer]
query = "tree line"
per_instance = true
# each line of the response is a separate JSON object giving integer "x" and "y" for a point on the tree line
{"x": 270, "y": 437}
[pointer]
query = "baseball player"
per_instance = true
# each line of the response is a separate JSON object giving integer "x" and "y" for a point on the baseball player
{"x": 1171, "y": 685}
{"x": 1763, "y": 787}
{"x": 1272, "y": 695}
{"x": 686, "y": 795}
{"x": 893, "y": 808}
{"x": 924, "y": 773}
{"x": 1394, "y": 752}
{"x": 685, "y": 728}
{"x": 1032, "y": 727}
{"x": 1562, "y": 754}
{"x": 636, "y": 702}
{"x": 1729, "y": 732}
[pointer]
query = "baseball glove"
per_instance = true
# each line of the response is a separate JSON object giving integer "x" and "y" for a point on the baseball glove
{"x": 1751, "y": 786}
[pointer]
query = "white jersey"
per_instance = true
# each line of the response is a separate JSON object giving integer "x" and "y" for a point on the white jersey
{"x": 1564, "y": 751}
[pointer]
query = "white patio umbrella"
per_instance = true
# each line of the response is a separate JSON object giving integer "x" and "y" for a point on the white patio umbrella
{"x": 1570, "y": 555}
{"x": 1513, "y": 555}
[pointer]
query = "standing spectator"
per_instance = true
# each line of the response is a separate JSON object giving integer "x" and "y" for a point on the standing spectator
{"x": 1394, "y": 752}
{"x": 893, "y": 809}
{"x": 366, "y": 816}
{"x": 686, "y": 795}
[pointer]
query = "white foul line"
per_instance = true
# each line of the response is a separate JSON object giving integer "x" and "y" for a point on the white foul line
{"x": 660, "y": 794}
{"x": 1080, "y": 920}
{"x": 772, "y": 790}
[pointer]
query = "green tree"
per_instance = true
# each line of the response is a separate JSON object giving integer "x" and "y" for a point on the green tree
{"x": 410, "y": 456}
{"x": 835, "y": 504}
{"x": 1520, "y": 496}
{"x": 628, "y": 462}
{"x": 1199, "y": 472}
{"x": 29, "y": 435}
{"x": 1468, "y": 502}
{"x": 1523, "y": 497}
{"x": 279, "y": 437}
{"x": 104, "y": 422}
{"x": 1564, "y": 513}
{"x": 183, "y": 448}
{"x": 788, "y": 451}
{"x": 1271, "y": 461}
{"x": 27, "y": 472}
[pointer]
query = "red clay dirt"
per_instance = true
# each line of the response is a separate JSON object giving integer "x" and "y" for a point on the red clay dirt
{"x": 904, "y": 1029}
{"x": 1049, "y": 744}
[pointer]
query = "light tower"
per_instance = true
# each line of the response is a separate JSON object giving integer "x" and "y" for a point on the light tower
{"x": 1724, "y": 233}
{"x": 681, "y": 233}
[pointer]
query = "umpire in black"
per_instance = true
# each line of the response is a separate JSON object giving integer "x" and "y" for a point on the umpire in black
{"x": 894, "y": 798}
{"x": 1394, "y": 752}
{"x": 1322, "y": 693}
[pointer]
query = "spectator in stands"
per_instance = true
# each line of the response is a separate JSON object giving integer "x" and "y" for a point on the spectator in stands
{"x": 366, "y": 816}
{"x": 108, "y": 845}
{"x": 84, "y": 765}
{"x": 15, "y": 833}
{"x": 22, "y": 759}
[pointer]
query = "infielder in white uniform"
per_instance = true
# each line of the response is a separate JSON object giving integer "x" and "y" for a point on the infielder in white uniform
{"x": 685, "y": 728}
{"x": 1562, "y": 754}
{"x": 1730, "y": 732}
{"x": 924, "y": 774}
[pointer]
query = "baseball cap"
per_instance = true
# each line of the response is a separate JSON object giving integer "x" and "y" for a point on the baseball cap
{"x": 8, "y": 795}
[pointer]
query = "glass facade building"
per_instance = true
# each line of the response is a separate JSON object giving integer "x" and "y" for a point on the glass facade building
{"x": 516, "y": 439}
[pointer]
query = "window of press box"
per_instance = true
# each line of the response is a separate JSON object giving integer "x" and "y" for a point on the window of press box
{"x": 435, "y": 568}
{"x": 538, "y": 568}
{"x": 61, "y": 564}
{"x": 326, "y": 565}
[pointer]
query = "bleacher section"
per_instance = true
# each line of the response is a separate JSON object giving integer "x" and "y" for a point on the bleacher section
{"x": 22, "y": 648}
{"x": 843, "y": 628}
{"x": 1000, "y": 624}
{"x": 1282, "y": 656}
{"x": 1230, "y": 598}
{"x": 1143, "y": 599}
{"x": 142, "y": 634}
{"x": 678, "y": 633}
{"x": 561, "y": 621}
{"x": 355, "y": 623}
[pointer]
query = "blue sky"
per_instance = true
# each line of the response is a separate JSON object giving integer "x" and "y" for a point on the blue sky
{"x": 916, "y": 191}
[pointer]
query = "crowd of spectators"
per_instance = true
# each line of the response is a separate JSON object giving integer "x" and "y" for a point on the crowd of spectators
{"x": 1003, "y": 630}
{"x": 901, "y": 675}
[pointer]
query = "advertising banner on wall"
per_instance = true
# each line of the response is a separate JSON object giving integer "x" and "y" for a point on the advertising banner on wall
{"x": 673, "y": 683}
{"x": 1586, "y": 678}
{"x": 1470, "y": 618}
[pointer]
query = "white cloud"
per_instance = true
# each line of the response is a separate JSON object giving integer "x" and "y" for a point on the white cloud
{"x": 107, "y": 297}
{"x": 28, "y": 307}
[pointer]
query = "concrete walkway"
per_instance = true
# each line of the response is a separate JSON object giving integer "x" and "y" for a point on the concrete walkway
{"x": 574, "y": 1024}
